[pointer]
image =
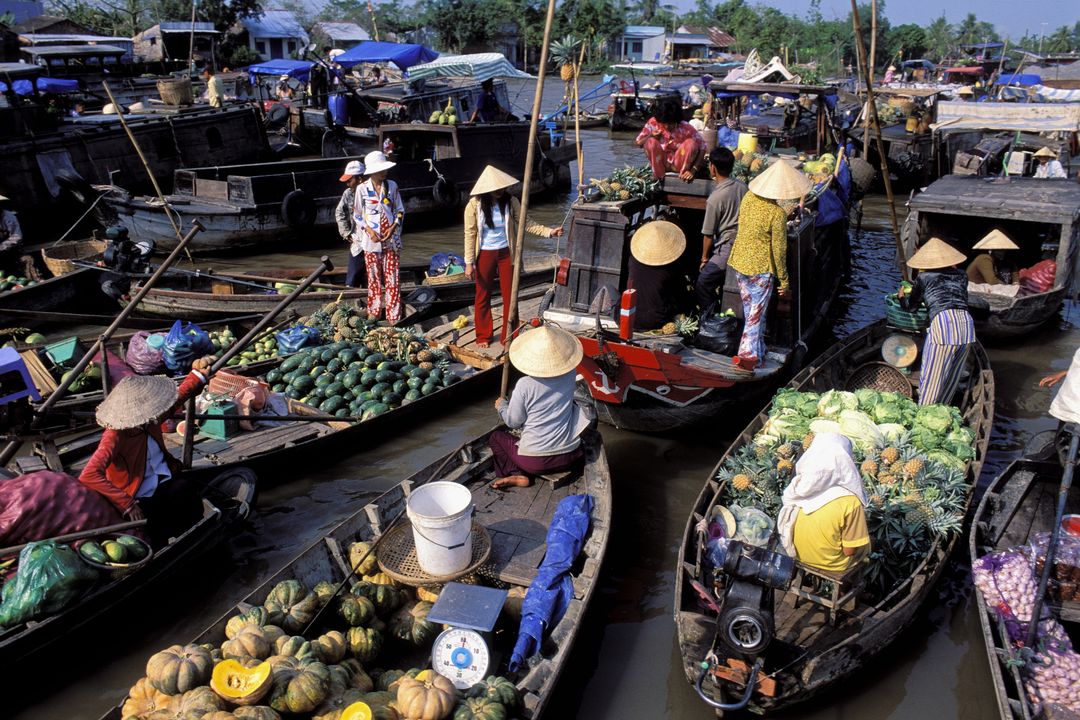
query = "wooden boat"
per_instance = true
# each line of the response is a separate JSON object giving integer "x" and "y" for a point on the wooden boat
{"x": 655, "y": 383}
{"x": 50, "y": 300}
{"x": 226, "y": 503}
{"x": 787, "y": 126}
{"x": 1019, "y": 504}
{"x": 632, "y": 106}
{"x": 515, "y": 521}
{"x": 808, "y": 653}
{"x": 584, "y": 120}
{"x": 1035, "y": 214}
{"x": 910, "y": 148}
{"x": 212, "y": 296}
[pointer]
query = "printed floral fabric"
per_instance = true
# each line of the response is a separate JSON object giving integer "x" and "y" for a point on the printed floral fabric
{"x": 384, "y": 288}
{"x": 379, "y": 212}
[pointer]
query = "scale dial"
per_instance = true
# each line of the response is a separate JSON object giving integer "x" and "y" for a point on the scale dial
{"x": 462, "y": 656}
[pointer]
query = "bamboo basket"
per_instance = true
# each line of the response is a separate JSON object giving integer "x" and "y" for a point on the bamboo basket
{"x": 176, "y": 91}
{"x": 443, "y": 279}
{"x": 59, "y": 259}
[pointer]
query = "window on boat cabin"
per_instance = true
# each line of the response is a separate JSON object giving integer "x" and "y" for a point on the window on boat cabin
{"x": 213, "y": 139}
{"x": 1037, "y": 240}
{"x": 165, "y": 147}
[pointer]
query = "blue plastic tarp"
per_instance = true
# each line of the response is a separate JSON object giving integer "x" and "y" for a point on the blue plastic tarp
{"x": 403, "y": 55}
{"x": 552, "y": 589}
{"x": 830, "y": 209}
{"x": 299, "y": 69}
{"x": 44, "y": 84}
{"x": 1022, "y": 79}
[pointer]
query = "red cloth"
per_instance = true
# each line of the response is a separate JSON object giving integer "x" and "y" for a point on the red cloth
{"x": 46, "y": 504}
{"x": 1038, "y": 278}
{"x": 668, "y": 151}
{"x": 487, "y": 262}
{"x": 116, "y": 468}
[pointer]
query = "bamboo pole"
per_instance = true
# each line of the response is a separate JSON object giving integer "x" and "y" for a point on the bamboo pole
{"x": 577, "y": 120}
{"x": 870, "y": 74}
{"x": 511, "y": 315}
{"x": 861, "y": 50}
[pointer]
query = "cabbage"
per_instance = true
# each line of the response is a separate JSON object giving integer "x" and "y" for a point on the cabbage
{"x": 787, "y": 424}
{"x": 833, "y": 401}
{"x": 962, "y": 435}
{"x": 867, "y": 399}
{"x": 808, "y": 405}
{"x": 786, "y": 398}
{"x": 860, "y": 429}
{"x": 892, "y": 432}
{"x": 935, "y": 418}
{"x": 924, "y": 439}
{"x": 888, "y": 412}
{"x": 822, "y": 426}
{"x": 960, "y": 443}
{"x": 941, "y": 457}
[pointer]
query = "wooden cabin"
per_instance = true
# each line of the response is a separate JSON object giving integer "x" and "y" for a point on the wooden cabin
{"x": 909, "y": 144}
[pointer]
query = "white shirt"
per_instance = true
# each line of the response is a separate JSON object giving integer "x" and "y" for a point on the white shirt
{"x": 156, "y": 471}
{"x": 493, "y": 238}
{"x": 1051, "y": 169}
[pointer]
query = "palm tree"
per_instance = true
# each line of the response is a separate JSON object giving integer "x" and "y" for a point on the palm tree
{"x": 939, "y": 36}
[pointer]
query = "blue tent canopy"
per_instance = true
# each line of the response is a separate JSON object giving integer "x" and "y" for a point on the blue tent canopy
{"x": 44, "y": 84}
{"x": 299, "y": 69}
{"x": 1023, "y": 79}
{"x": 403, "y": 55}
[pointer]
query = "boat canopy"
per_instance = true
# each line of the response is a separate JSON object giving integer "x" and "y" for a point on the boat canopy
{"x": 404, "y": 55}
{"x": 644, "y": 68}
{"x": 44, "y": 85}
{"x": 482, "y": 66}
{"x": 1023, "y": 79}
{"x": 1025, "y": 117}
{"x": 299, "y": 69}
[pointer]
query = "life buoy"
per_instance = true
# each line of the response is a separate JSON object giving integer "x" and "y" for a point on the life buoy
{"x": 76, "y": 186}
{"x": 298, "y": 210}
{"x": 445, "y": 193}
{"x": 549, "y": 173}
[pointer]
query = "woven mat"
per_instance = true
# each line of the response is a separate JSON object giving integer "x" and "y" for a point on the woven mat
{"x": 397, "y": 556}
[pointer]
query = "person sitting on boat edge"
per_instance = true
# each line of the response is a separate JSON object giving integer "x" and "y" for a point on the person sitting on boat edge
{"x": 382, "y": 214}
{"x": 759, "y": 253}
{"x": 491, "y": 220}
{"x": 131, "y": 466}
{"x": 943, "y": 286}
{"x": 11, "y": 237}
{"x": 720, "y": 226}
{"x": 822, "y": 521}
{"x": 654, "y": 274}
{"x": 542, "y": 407}
{"x": 1049, "y": 166}
{"x": 671, "y": 144}
{"x": 347, "y": 211}
{"x": 988, "y": 267}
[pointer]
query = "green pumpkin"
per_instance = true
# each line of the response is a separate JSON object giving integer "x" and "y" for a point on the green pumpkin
{"x": 291, "y": 606}
{"x": 255, "y": 616}
{"x": 364, "y": 643}
{"x": 356, "y": 611}
{"x": 324, "y": 591}
{"x": 479, "y": 709}
{"x": 497, "y": 689}
{"x": 410, "y": 625}
{"x": 177, "y": 669}
{"x": 338, "y": 701}
{"x": 330, "y": 647}
{"x": 295, "y": 646}
{"x": 255, "y": 712}
{"x": 386, "y": 598}
{"x": 358, "y": 678}
{"x": 299, "y": 686}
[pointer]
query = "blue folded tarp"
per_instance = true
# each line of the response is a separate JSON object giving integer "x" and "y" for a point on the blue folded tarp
{"x": 1022, "y": 79}
{"x": 552, "y": 589}
{"x": 44, "y": 84}
{"x": 403, "y": 55}
{"x": 299, "y": 69}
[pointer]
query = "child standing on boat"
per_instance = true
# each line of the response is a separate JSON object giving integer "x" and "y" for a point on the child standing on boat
{"x": 349, "y": 216}
{"x": 381, "y": 216}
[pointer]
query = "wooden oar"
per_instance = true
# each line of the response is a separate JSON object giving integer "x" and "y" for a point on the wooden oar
{"x": 239, "y": 345}
{"x": 100, "y": 346}
{"x": 81, "y": 535}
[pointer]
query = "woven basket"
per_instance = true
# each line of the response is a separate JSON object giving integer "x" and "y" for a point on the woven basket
{"x": 176, "y": 91}
{"x": 879, "y": 376}
{"x": 901, "y": 319}
{"x": 443, "y": 279}
{"x": 59, "y": 258}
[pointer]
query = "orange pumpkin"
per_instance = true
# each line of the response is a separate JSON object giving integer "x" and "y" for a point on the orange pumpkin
{"x": 429, "y": 699}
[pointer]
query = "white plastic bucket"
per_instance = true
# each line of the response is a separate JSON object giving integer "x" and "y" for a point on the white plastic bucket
{"x": 441, "y": 515}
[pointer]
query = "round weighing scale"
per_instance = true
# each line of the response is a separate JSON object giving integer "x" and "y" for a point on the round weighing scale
{"x": 462, "y": 656}
{"x": 461, "y": 653}
{"x": 899, "y": 350}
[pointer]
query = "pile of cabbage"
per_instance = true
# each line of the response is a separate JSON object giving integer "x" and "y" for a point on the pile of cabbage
{"x": 1008, "y": 583}
{"x": 872, "y": 420}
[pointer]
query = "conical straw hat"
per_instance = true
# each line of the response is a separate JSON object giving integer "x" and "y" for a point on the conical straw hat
{"x": 136, "y": 401}
{"x": 1045, "y": 152}
{"x": 493, "y": 179}
{"x": 996, "y": 240}
{"x": 934, "y": 255}
{"x": 781, "y": 181}
{"x": 657, "y": 243}
{"x": 546, "y": 351}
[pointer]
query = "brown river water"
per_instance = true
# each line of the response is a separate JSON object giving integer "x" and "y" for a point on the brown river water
{"x": 625, "y": 663}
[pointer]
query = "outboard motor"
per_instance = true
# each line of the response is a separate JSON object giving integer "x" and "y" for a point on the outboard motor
{"x": 750, "y": 575}
{"x": 124, "y": 256}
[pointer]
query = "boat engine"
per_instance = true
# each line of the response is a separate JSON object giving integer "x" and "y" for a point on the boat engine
{"x": 750, "y": 575}
{"x": 123, "y": 256}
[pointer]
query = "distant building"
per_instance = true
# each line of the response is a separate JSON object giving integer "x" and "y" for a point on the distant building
{"x": 275, "y": 34}
{"x": 21, "y": 10}
{"x": 344, "y": 35}
{"x": 695, "y": 41}
{"x": 47, "y": 24}
{"x": 643, "y": 43}
{"x": 171, "y": 40}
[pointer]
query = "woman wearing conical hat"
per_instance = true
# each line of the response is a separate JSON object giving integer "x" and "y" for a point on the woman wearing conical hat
{"x": 132, "y": 467}
{"x": 654, "y": 275}
{"x": 541, "y": 407}
{"x": 759, "y": 253}
{"x": 491, "y": 219}
{"x": 989, "y": 267}
{"x": 1049, "y": 166}
{"x": 942, "y": 286}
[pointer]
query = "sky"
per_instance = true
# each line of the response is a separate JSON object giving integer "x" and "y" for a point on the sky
{"x": 1012, "y": 17}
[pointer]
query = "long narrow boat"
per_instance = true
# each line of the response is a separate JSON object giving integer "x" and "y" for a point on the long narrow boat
{"x": 226, "y": 503}
{"x": 212, "y": 296}
{"x": 76, "y": 292}
{"x": 808, "y": 653}
{"x": 1017, "y": 506}
{"x": 516, "y": 523}
{"x": 1041, "y": 216}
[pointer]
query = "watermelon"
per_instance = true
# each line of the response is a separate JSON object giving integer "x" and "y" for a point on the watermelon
{"x": 380, "y": 389}
{"x": 400, "y": 387}
{"x": 375, "y": 410}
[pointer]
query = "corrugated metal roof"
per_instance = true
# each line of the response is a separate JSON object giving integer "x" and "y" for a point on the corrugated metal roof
{"x": 719, "y": 38}
{"x": 642, "y": 31}
{"x": 343, "y": 31}
{"x": 274, "y": 24}
{"x": 183, "y": 26}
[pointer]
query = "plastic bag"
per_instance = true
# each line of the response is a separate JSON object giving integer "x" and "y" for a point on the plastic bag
{"x": 45, "y": 504}
{"x": 1038, "y": 278}
{"x": 292, "y": 339}
{"x": 718, "y": 333}
{"x": 446, "y": 264}
{"x": 753, "y": 526}
{"x": 184, "y": 345}
{"x": 142, "y": 358}
{"x": 50, "y": 578}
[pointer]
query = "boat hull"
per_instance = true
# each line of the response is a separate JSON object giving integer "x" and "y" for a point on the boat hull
{"x": 76, "y": 291}
{"x": 1025, "y": 315}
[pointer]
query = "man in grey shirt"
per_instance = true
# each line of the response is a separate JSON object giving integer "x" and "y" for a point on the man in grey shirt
{"x": 721, "y": 223}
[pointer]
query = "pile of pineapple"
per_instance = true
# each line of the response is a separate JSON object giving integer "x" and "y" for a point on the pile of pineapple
{"x": 340, "y": 321}
{"x": 749, "y": 165}
{"x": 628, "y": 183}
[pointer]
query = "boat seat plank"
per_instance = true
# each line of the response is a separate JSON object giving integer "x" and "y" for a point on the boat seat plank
{"x": 1009, "y": 500}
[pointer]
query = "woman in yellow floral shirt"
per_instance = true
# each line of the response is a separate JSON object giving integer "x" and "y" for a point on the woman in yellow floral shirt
{"x": 759, "y": 253}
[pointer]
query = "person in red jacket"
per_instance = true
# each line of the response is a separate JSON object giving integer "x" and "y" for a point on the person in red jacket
{"x": 132, "y": 467}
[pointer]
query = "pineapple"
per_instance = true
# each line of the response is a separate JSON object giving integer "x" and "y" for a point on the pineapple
{"x": 787, "y": 450}
{"x": 564, "y": 53}
{"x": 869, "y": 467}
{"x": 742, "y": 482}
{"x": 913, "y": 467}
{"x": 890, "y": 455}
{"x": 886, "y": 478}
{"x": 616, "y": 186}
{"x": 624, "y": 194}
{"x": 761, "y": 451}
{"x": 919, "y": 515}
{"x": 755, "y": 166}
{"x": 877, "y": 500}
{"x": 686, "y": 325}
{"x": 738, "y": 154}
{"x": 896, "y": 468}
{"x": 807, "y": 440}
{"x": 668, "y": 329}
{"x": 785, "y": 466}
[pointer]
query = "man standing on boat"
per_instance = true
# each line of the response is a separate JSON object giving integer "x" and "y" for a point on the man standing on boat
{"x": 720, "y": 226}
{"x": 488, "y": 108}
{"x": 214, "y": 91}
{"x": 348, "y": 210}
{"x": 10, "y": 239}
{"x": 1049, "y": 166}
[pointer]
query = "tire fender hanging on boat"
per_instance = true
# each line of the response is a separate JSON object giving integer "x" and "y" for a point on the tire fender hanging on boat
{"x": 445, "y": 193}
{"x": 298, "y": 210}
{"x": 549, "y": 173}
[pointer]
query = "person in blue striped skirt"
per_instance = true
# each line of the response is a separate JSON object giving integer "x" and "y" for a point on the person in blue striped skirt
{"x": 942, "y": 286}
